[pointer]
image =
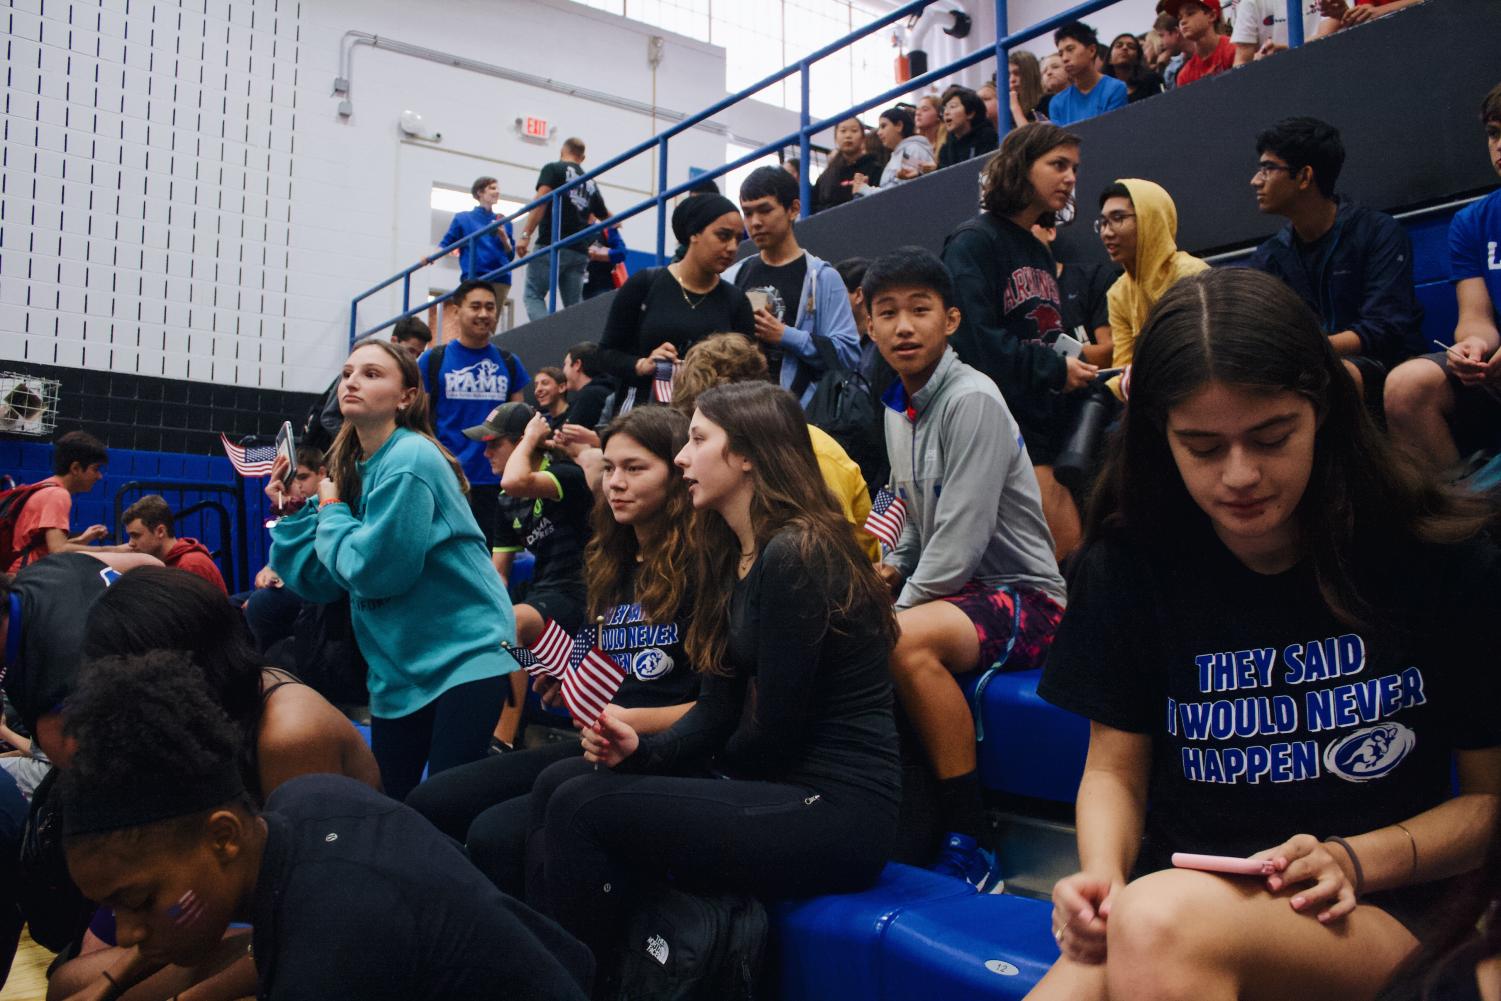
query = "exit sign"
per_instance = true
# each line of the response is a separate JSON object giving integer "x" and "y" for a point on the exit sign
{"x": 534, "y": 128}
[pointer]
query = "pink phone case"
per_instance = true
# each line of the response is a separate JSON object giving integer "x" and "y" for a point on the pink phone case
{"x": 1224, "y": 863}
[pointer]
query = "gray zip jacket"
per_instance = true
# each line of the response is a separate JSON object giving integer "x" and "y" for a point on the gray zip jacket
{"x": 974, "y": 512}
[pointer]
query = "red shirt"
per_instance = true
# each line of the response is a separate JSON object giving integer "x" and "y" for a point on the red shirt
{"x": 47, "y": 508}
{"x": 192, "y": 556}
{"x": 1220, "y": 60}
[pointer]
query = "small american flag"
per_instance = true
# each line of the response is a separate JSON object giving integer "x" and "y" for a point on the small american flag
{"x": 661, "y": 385}
{"x": 549, "y": 655}
{"x": 887, "y": 518}
{"x": 253, "y": 461}
{"x": 551, "y": 649}
{"x": 593, "y": 680}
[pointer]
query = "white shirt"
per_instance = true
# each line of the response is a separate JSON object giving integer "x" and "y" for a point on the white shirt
{"x": 1260, "y": 21}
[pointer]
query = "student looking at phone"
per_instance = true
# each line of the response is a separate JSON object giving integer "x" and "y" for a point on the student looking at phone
{"x": 1138, "y": 224}
{"x": 797, "y": 297}
{"x": 1262, "y": 632}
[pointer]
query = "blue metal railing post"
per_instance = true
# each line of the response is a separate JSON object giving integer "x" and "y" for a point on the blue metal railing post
{"x": 1294, "y": 24}
{"x": 803, "y": 138}
{"x": 406, "y": 292}
{"x": 804, "y": 147}
{"x": 1003, "y": 90}
{"x": 555, "y": 207}
{"x": 662, "y": 203}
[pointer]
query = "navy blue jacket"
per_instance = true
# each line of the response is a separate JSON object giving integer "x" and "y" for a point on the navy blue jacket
{"x": 1361, "y": 282}
{"x": 479, "y": 257}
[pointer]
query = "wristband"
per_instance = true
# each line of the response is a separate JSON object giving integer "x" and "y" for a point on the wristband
{"x": 1354, "y": 863}
{"x": 325, "y": 502}
{"x": 114, "y": 986}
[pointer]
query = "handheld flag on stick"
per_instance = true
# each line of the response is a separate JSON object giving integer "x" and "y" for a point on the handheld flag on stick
{"x": 661, "y": 386}
{"x": 549, "y": 655}
{"x": 253, "y": 461}
{"x": 593, "y": 679}
{"x": 887, "y": 518}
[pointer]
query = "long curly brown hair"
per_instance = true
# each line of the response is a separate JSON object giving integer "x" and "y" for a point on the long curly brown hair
{"x": 662, "y": 579}
{"x": 345, "y": 454}
{"x": 765, "y": 425}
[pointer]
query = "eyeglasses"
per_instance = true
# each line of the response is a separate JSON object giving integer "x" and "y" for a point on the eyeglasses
{"x": 1263, "y": 169}
{"x": 1113, "y": 221}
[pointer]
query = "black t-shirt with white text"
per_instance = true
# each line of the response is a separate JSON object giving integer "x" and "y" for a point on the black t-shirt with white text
{"x": 575, "y": 201}
{"x": 42, "y": 651}
{"x": 787, "y": 280}
{"x": 1269, "y": 716}
{"x": 554, "y": 531}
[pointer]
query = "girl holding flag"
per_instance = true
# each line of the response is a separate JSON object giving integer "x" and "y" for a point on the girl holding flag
{"x": 791, "y": 632}
{"x": 636, "y": 570}
{"x": 393, "y": 531}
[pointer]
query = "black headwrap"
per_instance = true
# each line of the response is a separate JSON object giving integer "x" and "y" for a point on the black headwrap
{"x": 694, "y": 214}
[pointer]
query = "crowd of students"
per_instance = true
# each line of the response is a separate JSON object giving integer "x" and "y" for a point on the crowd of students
{"x": 1263, "y": 619}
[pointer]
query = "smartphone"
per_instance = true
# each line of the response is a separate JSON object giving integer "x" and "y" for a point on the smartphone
{"x": 286, "y": 446}
{"x": 1225, "y": 863}
{"x": 1068, "y": 347}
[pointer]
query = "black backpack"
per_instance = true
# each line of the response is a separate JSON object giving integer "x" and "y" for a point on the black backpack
{"x": 844, "y": 407}
{"x": 682, "y": 946}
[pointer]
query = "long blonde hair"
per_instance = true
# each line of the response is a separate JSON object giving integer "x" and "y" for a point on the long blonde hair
{"x": 345, "y": 454}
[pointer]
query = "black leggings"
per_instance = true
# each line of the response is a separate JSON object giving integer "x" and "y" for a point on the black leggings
{"x": 452, "y": 729}
{"x": 483, "y": 805}
{"x": 593, "y": 830}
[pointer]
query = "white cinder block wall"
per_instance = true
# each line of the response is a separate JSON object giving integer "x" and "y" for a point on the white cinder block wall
{"x": 179, "y": 196}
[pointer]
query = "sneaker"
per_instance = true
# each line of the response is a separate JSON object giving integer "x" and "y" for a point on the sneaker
{"x": 963, "y": 858}
{"x": 498, "y": 746}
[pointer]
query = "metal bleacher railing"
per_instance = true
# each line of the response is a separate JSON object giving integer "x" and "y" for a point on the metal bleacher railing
{"x": 802, "y": 138}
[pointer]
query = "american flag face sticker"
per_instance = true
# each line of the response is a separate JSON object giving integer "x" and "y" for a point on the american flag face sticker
{"x": 187, "y": 911}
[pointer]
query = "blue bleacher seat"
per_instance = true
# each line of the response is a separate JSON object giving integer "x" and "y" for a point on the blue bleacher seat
{"x": 522, "y": 567}
{"x": 830, "y": 947}
{"x": 1440, "y": 313}
{"x": 1030, "y": 747}
{"x": 986, "y": 946}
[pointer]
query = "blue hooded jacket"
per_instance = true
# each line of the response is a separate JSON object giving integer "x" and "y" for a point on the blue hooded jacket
{"x": 823, "y": 309}
{"x": 482, "y": 256}
{"x": 1362, "y": 281}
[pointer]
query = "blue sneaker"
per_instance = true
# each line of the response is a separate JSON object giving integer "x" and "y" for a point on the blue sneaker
{"x": 962, "y": 858}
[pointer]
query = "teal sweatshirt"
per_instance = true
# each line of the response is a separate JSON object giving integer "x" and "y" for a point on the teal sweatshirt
{"x": 428, "y": 608}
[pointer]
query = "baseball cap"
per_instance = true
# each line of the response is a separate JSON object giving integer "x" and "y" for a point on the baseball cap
{"x": 508, "y": 420}
{"x": 1174, "y": 6}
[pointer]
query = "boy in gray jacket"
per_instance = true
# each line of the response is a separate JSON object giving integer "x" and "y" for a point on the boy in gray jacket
{"x": 976, "y": 583}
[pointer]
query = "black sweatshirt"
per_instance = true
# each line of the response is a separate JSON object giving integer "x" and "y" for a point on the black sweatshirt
{"x": 805, "y": 704}
{"x": 652, "y": 308}
{"x": 359, "y": 897}
{"x": 1008, "y": 295}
